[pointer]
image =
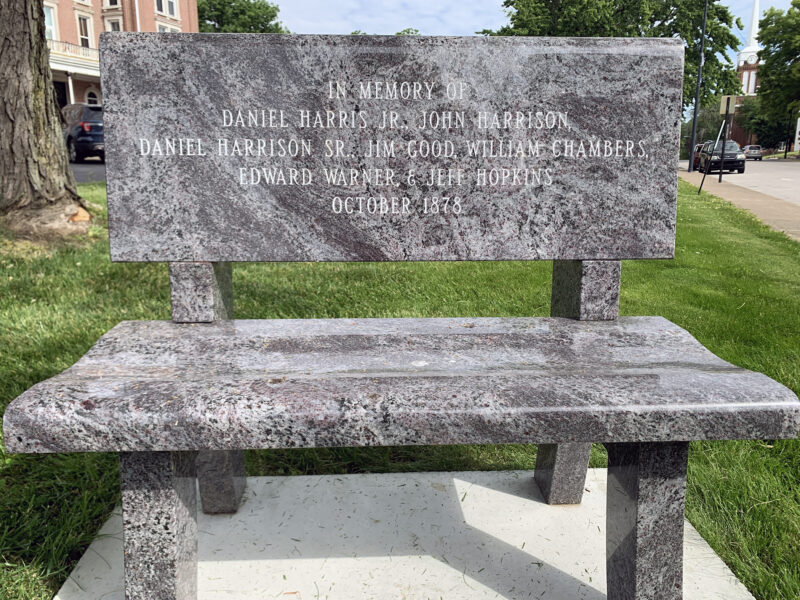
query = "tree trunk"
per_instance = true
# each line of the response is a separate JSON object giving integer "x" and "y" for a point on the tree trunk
{"x": 37, "y": 189}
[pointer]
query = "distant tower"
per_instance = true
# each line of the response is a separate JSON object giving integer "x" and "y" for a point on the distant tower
{"x": 748, "y": 57}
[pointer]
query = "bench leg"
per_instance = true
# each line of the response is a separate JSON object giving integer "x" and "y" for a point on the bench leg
{"x": 644, "y": 520}
{"x": 222, "y": 478}
{"x": 159, "y": 516}
{"x": 561, "y": 472}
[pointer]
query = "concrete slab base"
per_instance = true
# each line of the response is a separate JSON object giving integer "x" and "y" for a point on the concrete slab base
{"x": 457, "y": 535}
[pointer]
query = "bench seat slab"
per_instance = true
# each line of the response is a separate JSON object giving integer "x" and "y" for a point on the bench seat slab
{"x": 162, "y": 386}
{"x": 159, "y": 515}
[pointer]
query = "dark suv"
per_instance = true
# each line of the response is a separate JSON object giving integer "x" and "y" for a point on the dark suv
{"x": 710, "y": 161}
{"x": 83, "y": 131}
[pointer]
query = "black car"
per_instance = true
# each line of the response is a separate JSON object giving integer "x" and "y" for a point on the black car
{"x": 83, "y": 132}
{"x": 710, "y": 160}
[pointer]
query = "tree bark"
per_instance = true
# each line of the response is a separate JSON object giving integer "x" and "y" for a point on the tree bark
{"x": 37, "y": 189}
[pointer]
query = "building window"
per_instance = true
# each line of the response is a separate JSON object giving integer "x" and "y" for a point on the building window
{"x": 167, "y": 29}
{"x": 91, "y": 97}
{"x": 49, "y": 22}
{"x": 167, "y": 7}
{"x": 113, "y": 3}
{"x": 113, "y": 25}
{"x": 83, "y": 32}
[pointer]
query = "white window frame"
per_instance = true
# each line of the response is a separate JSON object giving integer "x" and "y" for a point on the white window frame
{"x": 165, "y": 6}
{"x": 92, "y": 90}
{"x": 53, "y": 8}
{"x": 167, "y": 28}
{"x": 110, "y": 20}
{"x": 107, "y": 4}
{"x": 89, "y": 28}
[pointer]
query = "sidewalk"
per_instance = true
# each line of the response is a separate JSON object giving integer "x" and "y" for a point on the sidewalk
{"x": 775, "y": 212}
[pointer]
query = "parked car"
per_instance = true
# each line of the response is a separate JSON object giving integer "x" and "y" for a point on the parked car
{"x": 710, "y": 157}
{"x": 83, "y": 131}
{"x": 752, "y": 152}
{"x": 696, "y": 163}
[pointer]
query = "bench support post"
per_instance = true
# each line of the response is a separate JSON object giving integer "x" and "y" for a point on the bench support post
{"x": 159, "y": 515}
{"x": 587, "y": 290}
{"x": 644, "y": 520}
{"x": 202, "y": 292}
{"x": 560, "y": 472}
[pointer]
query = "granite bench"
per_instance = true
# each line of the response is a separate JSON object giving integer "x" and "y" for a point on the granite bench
{"x": 179, "y": 401}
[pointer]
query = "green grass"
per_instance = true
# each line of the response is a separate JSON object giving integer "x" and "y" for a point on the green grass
{"x": 735, "y": 284}
{"x": 780, "y": 154}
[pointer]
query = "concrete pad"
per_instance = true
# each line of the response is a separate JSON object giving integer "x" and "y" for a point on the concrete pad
{"x": 458, "y": 535}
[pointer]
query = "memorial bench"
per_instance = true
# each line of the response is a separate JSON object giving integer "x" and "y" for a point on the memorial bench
{"x": 180, "y": 400}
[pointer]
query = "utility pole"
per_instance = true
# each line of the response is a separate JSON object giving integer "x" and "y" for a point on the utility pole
{"x": 697, "y": 93}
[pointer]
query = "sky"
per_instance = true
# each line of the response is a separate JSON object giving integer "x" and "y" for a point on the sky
{"x": 431, "y": 17}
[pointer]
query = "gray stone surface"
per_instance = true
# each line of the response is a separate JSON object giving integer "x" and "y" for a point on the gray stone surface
{"x": 614, "y": 198}
{"x": 644, "y": 521}
{"x": 367, "y": 382}
{"x": 585, "y": 289}
{"x": 201, "y": 292}
{"x": 222, "y": 479}
{"x": 159, "y": 515}
{"x": 561, "y": 471}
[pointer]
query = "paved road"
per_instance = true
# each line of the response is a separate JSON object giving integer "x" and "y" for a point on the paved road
{"x": 778, "y": 178}
{"x": 90, "y": 170}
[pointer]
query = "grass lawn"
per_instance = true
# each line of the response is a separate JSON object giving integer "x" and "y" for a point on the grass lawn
{"x": 735, "y": 284}
{"x": 780, "y": 154}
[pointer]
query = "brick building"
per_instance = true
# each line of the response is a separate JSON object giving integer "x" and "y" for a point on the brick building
{"x": 73, "y": 30}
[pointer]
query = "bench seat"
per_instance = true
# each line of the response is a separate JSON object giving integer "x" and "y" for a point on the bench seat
{"x": 161, "y": 386}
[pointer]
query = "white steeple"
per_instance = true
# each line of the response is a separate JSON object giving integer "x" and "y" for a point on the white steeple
{"x": 751, "y": 47}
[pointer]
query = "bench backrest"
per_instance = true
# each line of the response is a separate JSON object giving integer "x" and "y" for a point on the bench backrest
{"x": 347, "y": 148}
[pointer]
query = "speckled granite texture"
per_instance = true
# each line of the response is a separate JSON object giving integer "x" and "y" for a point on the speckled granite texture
{"x": 612, "y": 91}
{"x": 201, "y": 292}
{"x": 159, "y": 514}
{"x": 585, "y": 289}
{"x": 644, "y": 521}
{"x": 222, "y": 480}
{"x": 369, "y": 382}
{"x": 561, "y": 471}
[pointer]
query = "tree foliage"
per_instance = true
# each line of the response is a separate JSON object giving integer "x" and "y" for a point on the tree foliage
{"x": 647, "y": 18}
{"x": 238, "y": 16}
{"x": 769, "y": 130}
{"x": 406, "y": 31}
{"x": 709, "y": 121}
{"x": 779, "y": 72}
